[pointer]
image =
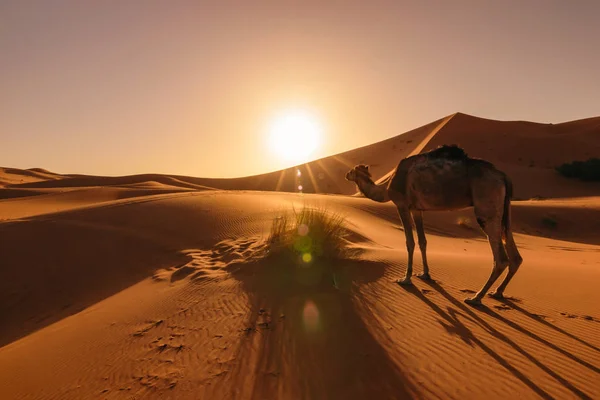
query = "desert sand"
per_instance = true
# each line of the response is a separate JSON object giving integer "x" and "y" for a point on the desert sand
{"x": 149, "y": 286}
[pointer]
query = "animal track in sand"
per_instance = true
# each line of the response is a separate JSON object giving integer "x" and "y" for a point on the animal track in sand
{"x": 568, "y": 315}
{"x": 152, "y": 324}
{"x": 155, "y": 380}
{"x": 211, "y": 263}
{"x": 540, "y": 316}
{"x": 159, "y": 367}
{"x": 585, "y": 317}
{"x": 182, "y": 273}
{"x": 166, "y": 346}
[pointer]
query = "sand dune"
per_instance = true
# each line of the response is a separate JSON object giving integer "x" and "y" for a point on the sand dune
{"x": 54, "y": 200}
{"x": 527, "y": 151}
{"x": 143, "y": 180}
{"x": 155, "y": 286}
{"x": 11, "y": 176}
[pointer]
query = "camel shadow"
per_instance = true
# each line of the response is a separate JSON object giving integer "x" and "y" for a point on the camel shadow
{"x": 307, "y": 335}
{"x": 539, "y": 319}
{"x": 541, "y": 340}
{"x": 451, "y": 322}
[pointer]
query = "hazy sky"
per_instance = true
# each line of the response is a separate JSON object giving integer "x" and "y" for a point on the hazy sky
{"x": 115, "y": 87}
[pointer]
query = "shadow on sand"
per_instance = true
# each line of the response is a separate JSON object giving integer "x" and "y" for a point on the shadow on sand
{"x": 52, "y": 269}
{"x": 539, "y": 319}
{"x": 457, "y": 310}
{"x": 308, "y": 338}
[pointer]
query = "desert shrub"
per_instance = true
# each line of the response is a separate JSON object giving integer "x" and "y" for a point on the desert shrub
{"x": 549, "y": 222}
{"x": 309, "y": 235}
{"x": 585, "y": 170}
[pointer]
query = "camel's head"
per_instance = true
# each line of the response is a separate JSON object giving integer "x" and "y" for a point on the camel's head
{"x": 360, "y": 171}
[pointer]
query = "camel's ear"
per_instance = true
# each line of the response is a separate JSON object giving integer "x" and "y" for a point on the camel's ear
{"x": 364, "y": 169}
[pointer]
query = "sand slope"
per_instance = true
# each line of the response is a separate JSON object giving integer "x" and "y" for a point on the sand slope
{"x": 527, "y": 151}
{"x": 320, "y": 176}
{"x": 138, "y": 299}
{"x": 12, "y": 176}
{"x": 155, "y": 287}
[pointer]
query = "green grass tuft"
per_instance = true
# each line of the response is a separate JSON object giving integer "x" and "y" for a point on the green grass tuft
{"x": 309, "y": 235}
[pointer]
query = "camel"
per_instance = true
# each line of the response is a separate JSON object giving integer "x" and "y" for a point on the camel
{"x": 446, "y": 178}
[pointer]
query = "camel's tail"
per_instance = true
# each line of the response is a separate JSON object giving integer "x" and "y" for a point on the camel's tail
{"x": 506, "y": 216}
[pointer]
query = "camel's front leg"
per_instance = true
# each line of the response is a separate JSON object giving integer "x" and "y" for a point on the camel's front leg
{"x": 410, "y": 243}
{"x": 418, "y": 218}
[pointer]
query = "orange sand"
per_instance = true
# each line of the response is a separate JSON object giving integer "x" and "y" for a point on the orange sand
{"x": 148, "y": 286}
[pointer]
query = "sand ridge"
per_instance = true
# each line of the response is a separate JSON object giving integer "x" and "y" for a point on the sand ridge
{"x": 527, "y": 151}
{"x": 148, "y": 287}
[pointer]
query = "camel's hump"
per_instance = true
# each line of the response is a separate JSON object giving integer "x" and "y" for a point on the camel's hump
{"x": 448, "y": 151}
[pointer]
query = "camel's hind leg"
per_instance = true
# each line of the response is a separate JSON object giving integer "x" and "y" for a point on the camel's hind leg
{"x": 515, "y": 261}
{"x": 493, "y": 229}
{"x": 410, "y": 243}
{"x": 418, "y": 218}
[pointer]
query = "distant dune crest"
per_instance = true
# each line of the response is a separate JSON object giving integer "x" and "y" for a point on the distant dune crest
{"x": 527, "y": 151}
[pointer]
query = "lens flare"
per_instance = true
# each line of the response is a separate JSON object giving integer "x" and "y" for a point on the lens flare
{"x": 311, "y": 317}
{"x": 303, "y": 230}
{"x": 306, "y": 257}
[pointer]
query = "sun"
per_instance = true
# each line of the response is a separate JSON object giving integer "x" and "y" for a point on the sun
{"x": 294, "y": 135}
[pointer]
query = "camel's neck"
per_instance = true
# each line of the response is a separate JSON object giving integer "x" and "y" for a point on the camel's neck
{"x": 374, "y": 192}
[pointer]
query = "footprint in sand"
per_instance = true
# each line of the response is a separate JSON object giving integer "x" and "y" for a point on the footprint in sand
{"x": 152, "y": 324}
{"x": 568, "y": 315}
{"x": 182, "y": 273}
{"x": 540, "y": 316}
{"x": 503, "y": 307}
{"x": 211, "y": 263}
{"x": 165, "y": 346}
{"x": 585, "y": 317}
{"x": 159, "y": 277}
{"x": 200, "y": 275}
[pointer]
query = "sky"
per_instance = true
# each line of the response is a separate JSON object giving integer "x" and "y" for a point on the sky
{"x": 119, "y": 87}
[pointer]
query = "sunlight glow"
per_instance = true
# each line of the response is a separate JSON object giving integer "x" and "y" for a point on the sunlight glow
{"x": 294, "y": 135}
